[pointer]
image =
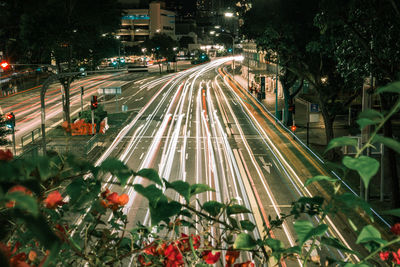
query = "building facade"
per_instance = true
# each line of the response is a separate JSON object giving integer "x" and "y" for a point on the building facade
{"x": 139, "y": 25}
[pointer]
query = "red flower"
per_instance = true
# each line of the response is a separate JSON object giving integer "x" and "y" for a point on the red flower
{"x": 174, "y": 256}
{"x": 6, "y": 155}
{"x": 143, "y": 261}
{"x": 396, "y": 256}
{"x": 395, "y": 229}
{"x": 384, "y": 255}
{"x": 184, "y": 244}
{"x": 20, "y": 188}
{"x": 53, "y": 200}
{"x": 211, "y": 257}
{"x": 245, "y": 264}
{"x": 231, "y": 256}
{"x": 105, "y": 193}
{"x": 150, "y": 249}
{"x": 123, "y": 199}
{"x": 17, "y": 188}
{"x": 114, "y": 200}
{"x": 17, "y": 260}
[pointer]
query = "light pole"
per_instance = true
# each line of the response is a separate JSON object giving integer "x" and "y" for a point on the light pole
{"x": 119, "y": 50}
{"x": 233, "y": 48}
{"x": 276, "y": 89}
{"x": 231, "y": 15}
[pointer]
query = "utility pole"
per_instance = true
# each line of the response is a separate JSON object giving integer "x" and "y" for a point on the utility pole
{"x": 248, "y": 71}
{"x": 276, "y": 90}
{"x": 233, "y": 55}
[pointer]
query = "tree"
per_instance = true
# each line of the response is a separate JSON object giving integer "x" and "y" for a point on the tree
{"x": 367, "y": 34}
{"x": 185, "y": 41}
{"x": 162, "y": 46}
{"x": 69, "y": 32}
{"x": 289, "y": 36}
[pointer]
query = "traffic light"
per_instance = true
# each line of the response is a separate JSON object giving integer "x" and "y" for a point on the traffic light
{"x": 4, "y": 65}
{"x": 10, "y": 120}
{"x": 293, "y": 128}
{"x": 93, "y": 102}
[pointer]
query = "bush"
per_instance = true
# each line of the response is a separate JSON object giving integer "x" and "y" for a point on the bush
{"x": 61, "y": 213}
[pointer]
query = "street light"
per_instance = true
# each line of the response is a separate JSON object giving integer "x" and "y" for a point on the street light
{"x": 230, "y": 15}
{"x": 233, "y": 48}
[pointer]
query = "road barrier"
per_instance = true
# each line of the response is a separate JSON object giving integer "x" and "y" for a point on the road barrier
{"x": 35, "y": 134}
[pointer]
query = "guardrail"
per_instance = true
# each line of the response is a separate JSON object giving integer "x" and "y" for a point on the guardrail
{"x": 91, "y": 144}
{"x": 35, "y": 134}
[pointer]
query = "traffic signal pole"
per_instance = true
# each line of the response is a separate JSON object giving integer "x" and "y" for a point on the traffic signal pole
{"x": 92, "y": 121}
{"x": 13, "y": 141}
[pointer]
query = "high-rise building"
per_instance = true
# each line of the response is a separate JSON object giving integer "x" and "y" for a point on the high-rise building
{"x": 139, "y": 25}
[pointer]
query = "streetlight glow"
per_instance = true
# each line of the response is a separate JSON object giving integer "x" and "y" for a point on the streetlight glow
{"x": 228, "y": 14}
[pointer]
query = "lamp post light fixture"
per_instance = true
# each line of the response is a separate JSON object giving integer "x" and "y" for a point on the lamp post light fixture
{"x": 228, "y": 14}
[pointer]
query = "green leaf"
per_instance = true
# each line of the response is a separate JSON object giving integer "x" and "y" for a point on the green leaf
{"x": 199, "y": 188}
{"x": 39, "y": 227}
{"x": 236, "y": 209}
{"x": 24, "y": 202}
{"x": 341, "y": 141}
{"x": 319, "y": 178}
{"x": 274, "y": 244}
{"x": 395, "y": 212}
{"x": 390, "y": 88}
{"x": 43, "y": 167}
{"x": 247, "y": 225}
{"x": 364, "y": 122}
{"x": 150, "y": 174}
{"x": 163, "y": 211}
{"x": 75, "y": 188}
{"x": 335, "y": 243}
{"x": 183, "y": 188}
{"x": 370, "y": 233}
{"x": 292, "y": 250}
{"x": 389, "y": 142}
{"x": 117, "y": 168}
{"x": 244, "y": 242}
{"x": 356, "y": 265}
{"x": 213, "y": 207}
{"x": 371, "y": 114}
{"x": 305, "y": 230}
{"x": 348, "y": 202}
{"x": 151, "y": 192}
{"x": 365, "y": 166}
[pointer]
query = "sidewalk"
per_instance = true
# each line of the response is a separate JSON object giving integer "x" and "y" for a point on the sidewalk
{"x": 317, "y": 137}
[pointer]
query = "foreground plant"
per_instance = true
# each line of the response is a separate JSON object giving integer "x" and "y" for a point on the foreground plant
{"x": 57, "y": 210}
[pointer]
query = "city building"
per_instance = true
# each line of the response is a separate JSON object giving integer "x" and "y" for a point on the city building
{"x": 139, "y": 25}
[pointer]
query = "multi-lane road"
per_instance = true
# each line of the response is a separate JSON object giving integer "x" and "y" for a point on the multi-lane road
{"x": 200, "y": 126}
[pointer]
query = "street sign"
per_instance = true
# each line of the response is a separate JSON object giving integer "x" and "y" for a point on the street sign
{"x": 314, "y": 107}
{"x": 110, "y": 91}
{"x": 124, "y": 108}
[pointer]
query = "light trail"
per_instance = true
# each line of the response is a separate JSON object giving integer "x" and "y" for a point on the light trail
{"x": 288, "y": 167}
